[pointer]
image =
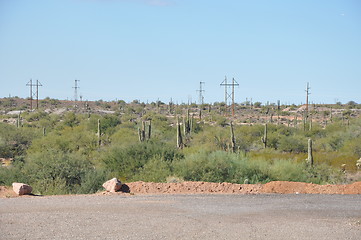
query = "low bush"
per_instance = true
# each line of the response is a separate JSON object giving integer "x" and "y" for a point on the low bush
{"x": 55, "y": 172}
{"x": 128, "y": 162}
{"x": 155, "y": 170}
{"x": 229, "y": 167}
{"x": 93, "y": 180}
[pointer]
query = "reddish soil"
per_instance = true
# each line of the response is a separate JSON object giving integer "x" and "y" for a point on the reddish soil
{"x": 309, "y": 188}
{"x": 279, "y": 187}
{"x": 6, "y": 192}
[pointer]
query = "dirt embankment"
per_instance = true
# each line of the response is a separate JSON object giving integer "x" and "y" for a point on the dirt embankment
{"x": 281, "y": 187}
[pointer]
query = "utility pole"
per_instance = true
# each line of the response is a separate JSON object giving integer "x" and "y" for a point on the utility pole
{"x": 34, "y": 94}
{"x": 76, "y": 90}
{"x": 38, "y": 84}
{"x": 233, "y": 96}
{"x": 229, "y": 96}
{"x": 201, "y": 98}
{"x": 30, "y": 84}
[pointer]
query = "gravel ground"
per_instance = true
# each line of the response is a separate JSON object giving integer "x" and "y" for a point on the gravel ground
{"x": 266, "y": 216}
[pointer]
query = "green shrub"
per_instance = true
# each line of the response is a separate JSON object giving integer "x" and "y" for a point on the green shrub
{"x": 75, "y": 139}
{"x": 93, "y": 181}
{"x": 324, "y": 174}
{"x": 251, "y": 171}
{"x": 155, "y": 170}
{"x": 127, "y": 162}
{"x": 292, "y": 143}
{"x": 12, "y": 173}
{"x": 15, "y": 141}
{"x": 71, "y": 119}
{"x": 207, "y": 166}
{"x": 287, "y": 170}
{"x": 55, "y": 172}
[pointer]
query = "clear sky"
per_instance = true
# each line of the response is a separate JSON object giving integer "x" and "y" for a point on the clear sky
{"x": 162, "y": 49}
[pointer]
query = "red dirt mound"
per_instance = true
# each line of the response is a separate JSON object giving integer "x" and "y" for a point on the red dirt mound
{"x": 299, "y": 187}
{"x": 225, "y": 188}
{"x": 192, "y": 187}
{"x": 281, "y": 187}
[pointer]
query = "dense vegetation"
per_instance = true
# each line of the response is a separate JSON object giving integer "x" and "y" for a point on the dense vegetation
{"x": 60, "y": 153}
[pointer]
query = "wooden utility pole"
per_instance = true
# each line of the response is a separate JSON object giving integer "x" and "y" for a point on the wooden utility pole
{"x": 34, "y": 94}
{"x": 225, "y": 92}
{"x": 233, "y": 97}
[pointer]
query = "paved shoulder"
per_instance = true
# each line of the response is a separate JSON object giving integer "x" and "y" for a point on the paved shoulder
{"x": 182, "y": 217}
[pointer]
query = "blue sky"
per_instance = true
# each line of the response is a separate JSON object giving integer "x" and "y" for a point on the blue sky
{"x": 162, "y": 49}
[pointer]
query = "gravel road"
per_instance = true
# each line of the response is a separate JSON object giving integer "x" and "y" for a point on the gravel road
{"x": 268, "y": 216}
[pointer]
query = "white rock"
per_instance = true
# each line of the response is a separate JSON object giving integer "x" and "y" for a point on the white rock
{"x": 358, "y": 164}
{"x": 22, "y": 188}
{"x": 112, "y": 185}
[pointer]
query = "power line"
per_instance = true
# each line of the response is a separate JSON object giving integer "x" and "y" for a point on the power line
{"x": 34, "y": 93}
{"x": 201, "y": 91}
{"x": 76, "y": 90}
{"x": 227, "y": 95}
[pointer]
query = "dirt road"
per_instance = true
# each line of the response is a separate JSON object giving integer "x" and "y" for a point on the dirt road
{"x": 267, "y": 216}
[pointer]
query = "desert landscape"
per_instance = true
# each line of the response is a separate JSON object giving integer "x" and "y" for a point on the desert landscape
{"x": 180, "y": 119}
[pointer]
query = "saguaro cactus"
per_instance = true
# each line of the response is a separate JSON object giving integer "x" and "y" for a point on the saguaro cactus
{"x": 18, "y": 121}
{"x": 264, "y": 138}
{"x": 310, "y": 155}
{"x": 185, "y": 128}
{"x": 158, "y": 106}
{"x": 149, "y": 129}
{"x": 278, "y": 111}
{"x": 305, "y": 116}
{"x": 179, "y": 136}
{"x": 143, "y": 134}
{"x": 99, "y": 134}
{"x": 187, "y": 125}
{"x": 143, "y": 130}
{"x": 233, "y": 140}
{"x": 191, "y": 123}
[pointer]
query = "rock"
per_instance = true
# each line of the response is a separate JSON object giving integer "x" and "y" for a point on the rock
{"x": 112, "y": 185}
{"x": 358, "y": 164}
{"x": 22, "y": 188}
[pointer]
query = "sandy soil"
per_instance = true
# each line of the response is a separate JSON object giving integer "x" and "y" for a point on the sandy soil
{"x": 281, "y": 187}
